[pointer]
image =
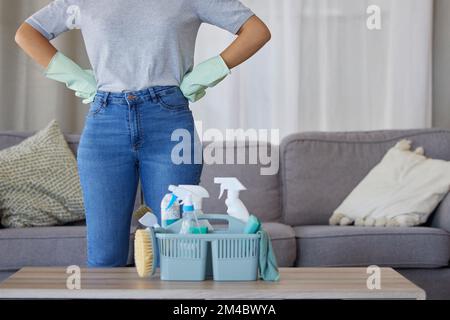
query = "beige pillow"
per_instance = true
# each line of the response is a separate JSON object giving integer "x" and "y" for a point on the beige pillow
{"x": 402, "y": 190}
{"x": 39, "y": 182}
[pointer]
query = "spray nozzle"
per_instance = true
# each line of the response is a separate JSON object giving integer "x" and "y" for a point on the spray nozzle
{"x": 232, "y": 185}
{"x": 182, "y": 192}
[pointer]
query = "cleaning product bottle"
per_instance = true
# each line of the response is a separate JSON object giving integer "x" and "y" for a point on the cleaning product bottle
{"x": 196, "y": 194}
{"x": 190, "y": 224}
{"x": 236, "y": 207}
{"x": 170, "y": 210}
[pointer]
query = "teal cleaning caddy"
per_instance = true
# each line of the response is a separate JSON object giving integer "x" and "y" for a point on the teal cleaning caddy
{"x": 226, "y": 254}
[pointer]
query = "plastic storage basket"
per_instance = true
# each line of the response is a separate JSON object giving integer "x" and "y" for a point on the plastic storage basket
{"x": 234, "y": 255}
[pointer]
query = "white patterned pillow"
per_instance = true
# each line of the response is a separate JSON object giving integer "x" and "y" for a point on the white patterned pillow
{"x": 39, "y": 182}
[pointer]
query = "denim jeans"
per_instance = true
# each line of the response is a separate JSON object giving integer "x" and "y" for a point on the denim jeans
{"x": 128, "y": 136}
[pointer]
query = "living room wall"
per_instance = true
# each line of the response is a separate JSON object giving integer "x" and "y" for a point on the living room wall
{"x": 441, "y": 68}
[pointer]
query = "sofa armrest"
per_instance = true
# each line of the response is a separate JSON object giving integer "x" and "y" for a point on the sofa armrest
{"x": 441, "y": 217}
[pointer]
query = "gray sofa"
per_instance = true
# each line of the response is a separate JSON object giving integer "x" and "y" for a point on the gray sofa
{"x": 317, "y": 171}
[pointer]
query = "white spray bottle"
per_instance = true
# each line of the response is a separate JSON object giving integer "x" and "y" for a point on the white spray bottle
{"x": 236, "y": 207}
{"x": 191, "y": 195}
{"x": 198, "y": 194}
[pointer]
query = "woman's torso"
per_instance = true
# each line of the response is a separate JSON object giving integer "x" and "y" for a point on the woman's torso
{"x": 136, "y": 44}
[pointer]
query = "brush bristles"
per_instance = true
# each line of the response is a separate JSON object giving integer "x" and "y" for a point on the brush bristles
{"x": 141, "y": 211}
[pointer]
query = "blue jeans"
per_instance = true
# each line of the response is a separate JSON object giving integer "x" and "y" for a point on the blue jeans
{"x": 128, "y": 136}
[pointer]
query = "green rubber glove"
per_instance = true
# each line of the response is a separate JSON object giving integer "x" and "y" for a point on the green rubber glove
{"x": 63, "y": 69}
{"x": 205, "y": 75}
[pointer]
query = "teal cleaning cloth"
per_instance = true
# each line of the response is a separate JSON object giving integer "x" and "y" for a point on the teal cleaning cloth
{"x": 268, "y": 267}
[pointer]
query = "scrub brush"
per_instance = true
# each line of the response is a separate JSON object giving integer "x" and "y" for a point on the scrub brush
{"x": 144, "y": 245}
{"x": 144, "y": 252}
{"x": 141, "y": 211}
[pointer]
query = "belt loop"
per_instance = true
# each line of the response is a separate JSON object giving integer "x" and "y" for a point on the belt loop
{"x": 105, "y": 101}
{"x": 153, "y": 94}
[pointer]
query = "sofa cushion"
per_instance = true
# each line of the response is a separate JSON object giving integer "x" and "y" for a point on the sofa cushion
{"x": 283, "y": 243}
{"x": 332, "y": 246}
{"x": 262, "y": 197}
{"x": 39, "y": 184}
{"x": 319, "y": 170}
{"x": 44, "y": 247}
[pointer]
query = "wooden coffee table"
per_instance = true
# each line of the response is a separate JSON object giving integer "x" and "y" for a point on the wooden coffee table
{"x": 123, "y": 283}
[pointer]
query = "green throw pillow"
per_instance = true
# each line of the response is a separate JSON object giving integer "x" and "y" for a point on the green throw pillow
{"x": 39, "y": 182}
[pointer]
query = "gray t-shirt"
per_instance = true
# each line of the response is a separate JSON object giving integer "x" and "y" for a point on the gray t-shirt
{"x": 135, "y": 44}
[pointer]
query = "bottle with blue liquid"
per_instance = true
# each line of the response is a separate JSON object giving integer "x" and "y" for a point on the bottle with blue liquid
{"x": 190, "y": 224}
{"x": 191, "y": 197}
